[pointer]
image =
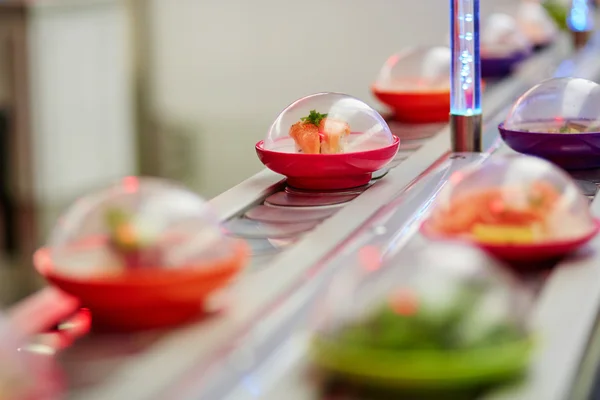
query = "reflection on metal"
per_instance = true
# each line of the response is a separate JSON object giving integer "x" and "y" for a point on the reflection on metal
{"x": 580, "y": 21}
{"x": 581, "y": 39}
{"x": 466, "y": 133}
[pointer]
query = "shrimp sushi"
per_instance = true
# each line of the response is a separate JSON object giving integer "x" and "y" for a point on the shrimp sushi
{"x": 318, "y": 134}
{"x": 334, "y": 135}
{"x": 306, "y": 136}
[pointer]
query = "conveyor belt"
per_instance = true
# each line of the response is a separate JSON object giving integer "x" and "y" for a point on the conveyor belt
{"x": 289, "y": 263}
{"x": 274, "y": 367}
{"x": 278, "y": 367}
{"x": 288, "y": 214}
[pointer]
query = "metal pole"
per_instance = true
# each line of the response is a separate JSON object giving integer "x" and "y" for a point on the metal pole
{"x": 465, "y": 85}
{"x": 581, "y": 21}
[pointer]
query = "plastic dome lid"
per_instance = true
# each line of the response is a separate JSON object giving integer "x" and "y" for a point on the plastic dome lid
{"x": 449, "y": 297}
{"x": 512, "y": 199}
{"x": 559, "y": 105}
{"x": 328, "y": 123}
{"x": 416, "y": 70}
{"x": 535, "y": 22}
{"x": 137, "y": 223}
{"x": 502, "y": 37}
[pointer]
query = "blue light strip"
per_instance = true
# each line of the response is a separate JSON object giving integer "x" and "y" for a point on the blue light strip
{"x": 580, "y": 17}
{"x": 465, "y": 72}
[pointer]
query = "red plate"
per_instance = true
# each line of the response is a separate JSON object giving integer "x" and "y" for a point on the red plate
{"x": 40, "y": 326}
{"x": 145, "y": 298}
{"x": 522, "y": 253}
{"x": 416, "y": 107}
{"x": 327, "y": 171}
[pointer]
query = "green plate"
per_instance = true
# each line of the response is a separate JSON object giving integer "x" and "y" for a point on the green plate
{"x": 426, "y": 369}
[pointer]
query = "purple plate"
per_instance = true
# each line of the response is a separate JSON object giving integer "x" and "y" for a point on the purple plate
{"x": 492, "y": 67}
{"x": 567, "y": 150}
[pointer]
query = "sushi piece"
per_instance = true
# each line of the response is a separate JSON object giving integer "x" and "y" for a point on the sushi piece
{"x": 318, "y": 134}
{"x": 131, "y": 240}
{"x": 306, "y": 136}
{"x": 333, "y": 135}
{"x": 569, "y": 127}
{"x": 497, "y": 215}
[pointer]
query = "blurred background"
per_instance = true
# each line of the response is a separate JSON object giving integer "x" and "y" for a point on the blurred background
{"x": 93, "y": 90}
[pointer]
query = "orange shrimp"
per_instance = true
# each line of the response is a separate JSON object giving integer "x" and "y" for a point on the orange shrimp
{"x": 466, "y": 211}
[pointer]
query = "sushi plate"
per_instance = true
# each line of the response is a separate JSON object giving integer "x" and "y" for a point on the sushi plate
{"x": 519, "y": 253}
{"x": 499, "y": 67}
{"x": 426, "y": 369}
{"x": 416, "y": 107}
{"x": 144, "y": 299}
{"x": 571, "y": 151}
{"x": 327, "y": 171}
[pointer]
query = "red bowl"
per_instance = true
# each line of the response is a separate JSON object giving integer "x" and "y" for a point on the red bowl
{"x": 416, "y": 107}
{"x": 145, "y": 298}
{"x": 327, "y": 171}
{"x": 537, "y": 252}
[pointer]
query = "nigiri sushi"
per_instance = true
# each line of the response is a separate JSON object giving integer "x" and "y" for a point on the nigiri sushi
{"x": 501, "y": 215}
{"x": 306, "y": 136}
{"x": 318, "y": 134}
{"x": 333, "y": 135}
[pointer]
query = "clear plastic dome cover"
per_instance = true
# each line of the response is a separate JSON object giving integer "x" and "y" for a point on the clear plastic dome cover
{"x": 328, "y": 123}
{"x": 502, "y": 37}
{"x": 137, "y": 223}
{"x": 512, "y": 199}
{"x": 535, "y": 22}
{"x": 444, "y": 297}
{"x": 416, "y": 70}
{"x": 559, "y": 105}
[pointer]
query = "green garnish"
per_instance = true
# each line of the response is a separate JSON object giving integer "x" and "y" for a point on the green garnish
{"x": 314, "y": 118}
{"x": 122, "y": 230}
{"x": 116, "y": 217}
{"x": 536, "y": 200}
{"x": 572, "y": 127}
{"x": 564, "y": 129}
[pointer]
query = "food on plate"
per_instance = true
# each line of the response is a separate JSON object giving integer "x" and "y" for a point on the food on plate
{"x": 449, "y": 318}
{"x": 413, "y": 320}
{"x": 567, "y": 127}
{"x": 319, "y": 134}
{"x": 132, "y": 241}
{"x": 519, "y": 215}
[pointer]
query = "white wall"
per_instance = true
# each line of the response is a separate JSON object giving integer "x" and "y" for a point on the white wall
{"x": 81, "y": 100}
{"x": 227, "y": 67}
